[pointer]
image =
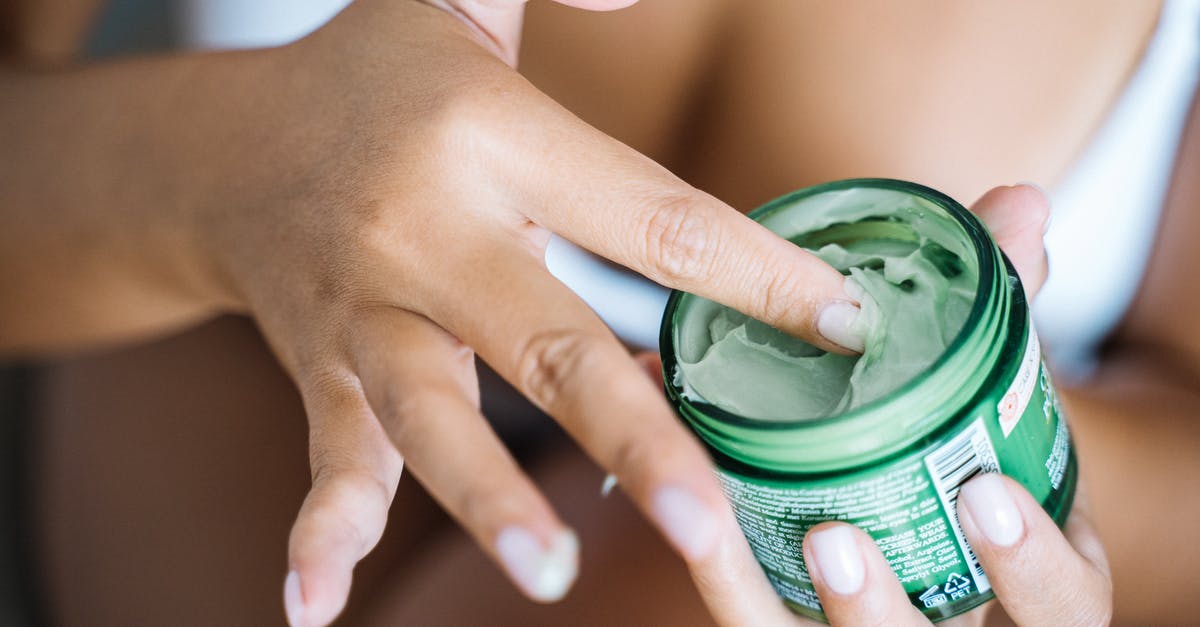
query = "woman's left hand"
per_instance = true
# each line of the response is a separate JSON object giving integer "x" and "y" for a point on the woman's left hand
{"x": 1040, "y": 574}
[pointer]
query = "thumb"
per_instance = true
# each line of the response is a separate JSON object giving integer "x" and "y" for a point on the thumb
{"x": 1017, "y": 218}
{"x": 498, "y": 22}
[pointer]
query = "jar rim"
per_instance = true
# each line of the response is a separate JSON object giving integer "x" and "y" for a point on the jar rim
{"x": 986, "y": 257}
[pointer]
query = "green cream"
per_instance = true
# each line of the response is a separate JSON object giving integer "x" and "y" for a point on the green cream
{"x": 906, "y": 263}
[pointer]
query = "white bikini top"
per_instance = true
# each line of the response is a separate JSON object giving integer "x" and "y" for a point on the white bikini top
{"x": 224, "y": 24}
{"x": 1105, "y": 211}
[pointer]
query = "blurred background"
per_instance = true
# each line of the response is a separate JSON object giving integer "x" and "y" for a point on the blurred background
{"x": 186, "y": 454}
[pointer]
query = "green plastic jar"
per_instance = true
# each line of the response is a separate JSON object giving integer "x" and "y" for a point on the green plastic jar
{"x": 893, "y": 466}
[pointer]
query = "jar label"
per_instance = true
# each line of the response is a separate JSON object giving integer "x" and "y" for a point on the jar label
{"x": 908, "y": 504}
{"x": 1012, "y": 405}
{"x": 954, "y": 463}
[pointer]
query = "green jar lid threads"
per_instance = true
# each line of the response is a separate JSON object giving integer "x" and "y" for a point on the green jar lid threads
{"x": 883, "y": 442}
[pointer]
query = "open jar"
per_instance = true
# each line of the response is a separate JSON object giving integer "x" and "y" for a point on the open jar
{"x": 951, "y": 384}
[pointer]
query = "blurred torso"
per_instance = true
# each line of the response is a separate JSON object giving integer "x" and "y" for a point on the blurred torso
{"x": 748, "y": 100}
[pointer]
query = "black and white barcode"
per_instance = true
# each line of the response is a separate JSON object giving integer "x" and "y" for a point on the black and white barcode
{"x": 968, "y": 454}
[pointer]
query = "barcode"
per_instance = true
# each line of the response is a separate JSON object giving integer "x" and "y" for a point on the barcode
{"x": 968, "y": 454}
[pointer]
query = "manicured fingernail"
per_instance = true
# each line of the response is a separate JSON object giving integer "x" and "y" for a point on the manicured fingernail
{"x": 839, "y": 560}
{"x": 293, "y": 600}
{"x": 993, "y": 509}
{"x": 690, "y": 525}
{"x": 546, "y": 573}
{"x": 836, "y": 324}
{"x": 610, "y": 482}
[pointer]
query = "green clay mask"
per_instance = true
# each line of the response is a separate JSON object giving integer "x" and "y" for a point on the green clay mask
{"x": 907, "y": 265}
{"x": 950, "y": 385}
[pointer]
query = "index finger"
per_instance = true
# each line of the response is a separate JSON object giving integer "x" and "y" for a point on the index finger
{"x": 608, "y": 198}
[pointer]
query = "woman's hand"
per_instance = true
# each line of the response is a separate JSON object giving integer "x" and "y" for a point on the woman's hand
{"x": 383, "y": 216}
{"x": 1041, "y": 575}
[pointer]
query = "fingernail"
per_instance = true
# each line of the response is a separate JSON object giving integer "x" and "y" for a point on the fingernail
{"x": 839, "y": 560}
{"x": 836, "y": 324}
{"x": 546, "y": 573}
{"x": 690, "y": 525}
{"x": 610, "y": 482}
{"x": 293, "y": 599}
{"x": 993, "y": 509}
{"x": 1041, "y": 190}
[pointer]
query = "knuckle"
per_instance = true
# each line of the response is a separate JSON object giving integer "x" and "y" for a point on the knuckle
{"x": 356, "y": 495}
{"x": 339, "y": 529}
{"x": 719, "y": 585}
{"x": 345, "y": 508}
{"x": 781, "y": 292}
{"x": 406, "y": 420}
{"x": 401, "y": 408}
{"x": 550, "y": 361}
{"x": 481, "y": 504}
{"x": 681, "y": 242}
{"x": 457, "y": 114}
{"x": 326, "y": 387}
{"x": 364, "y": 486}
{"x": 1089, "y": 611}
{"x": 715, "y": 581}
{"x": 473, "y": 505}
{"x": 635, "y": 456}
{"x": 325, "y": 464}
{"x": 466, "y": 115}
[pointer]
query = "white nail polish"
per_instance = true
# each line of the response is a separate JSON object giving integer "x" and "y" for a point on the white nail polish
{"x": 293, "y": 600}
{"x": 836, "y": 324}
{"x": 545, "y": 573}
{"x": 610, "y": 482}
{"x": 839, "y": 560}
{"x": 853, "y": 289}
{"x": 689, "y": 524}
{"x": 993, "y": 509}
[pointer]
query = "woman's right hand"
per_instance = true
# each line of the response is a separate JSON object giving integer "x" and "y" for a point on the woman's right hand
{"x": 383, "y": 210}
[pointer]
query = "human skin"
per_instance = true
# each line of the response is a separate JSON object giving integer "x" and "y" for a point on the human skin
{"x": 913, "y": 305}
{"x": 359, "y": 193}
{"x": 1137, "y": 412}
{"x": 1016, "y": 541}
{"x": 750, "y": 184}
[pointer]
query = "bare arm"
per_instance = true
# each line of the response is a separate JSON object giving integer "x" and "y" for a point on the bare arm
{"x": 93, "y": 184}
{"x": 102, "y": 167}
